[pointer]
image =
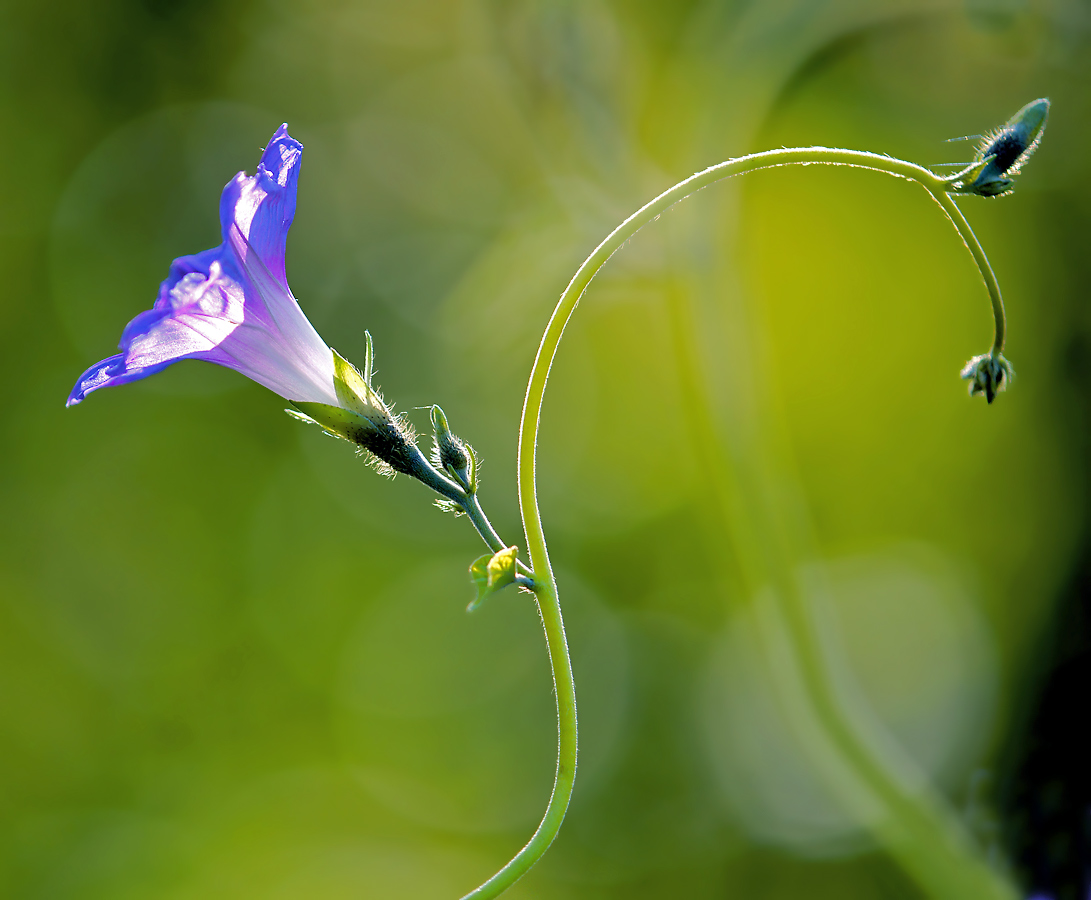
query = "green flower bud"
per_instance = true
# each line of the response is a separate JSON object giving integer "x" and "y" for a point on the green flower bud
{"x": 1002, "y": 153}
{"x": 450, "y": 454}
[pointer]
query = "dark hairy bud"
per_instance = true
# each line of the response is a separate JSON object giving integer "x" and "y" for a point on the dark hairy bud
{"x": 1002, "y": 153}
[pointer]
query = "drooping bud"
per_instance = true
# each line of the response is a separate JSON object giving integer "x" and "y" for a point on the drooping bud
{"x": 988, "y": 375}
{"x": 451, "y": 454}
{"x": 1002, "y": 153}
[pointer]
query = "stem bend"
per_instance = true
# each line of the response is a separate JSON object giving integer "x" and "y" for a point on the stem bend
{"x": 545, "y": 583}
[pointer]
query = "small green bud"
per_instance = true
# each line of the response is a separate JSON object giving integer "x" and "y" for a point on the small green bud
{"x": 1003, "y": 152}
{"x": 492, "y": 573}
{"x": 988, "y": 375}
{"x": 449, "y": 453}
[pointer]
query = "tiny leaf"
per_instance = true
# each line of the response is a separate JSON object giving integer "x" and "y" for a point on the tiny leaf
{"x": 491, "y": 573}
{"x": 479, "y": 575}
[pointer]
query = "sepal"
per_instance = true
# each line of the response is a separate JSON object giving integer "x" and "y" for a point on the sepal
{"x": 335, "y": 420}
{"x": 361, "y": 417}
{"x": 354, "y": 390}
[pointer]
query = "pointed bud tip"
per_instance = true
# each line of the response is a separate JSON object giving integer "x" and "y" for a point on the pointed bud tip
{"x": 1029, "y": 123}
{"x": 1003, "y": 152}
{"x": 1033, "y": 114}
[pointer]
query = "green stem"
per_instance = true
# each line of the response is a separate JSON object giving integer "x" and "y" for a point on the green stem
{"x": 421, "y": 469}
{"x": 841, "y": 731}
{"x": 946, "y": 201}
{"x": 467, "y": 501}
{"x": 472, "y": 507}
{"x": 545, "y": 591}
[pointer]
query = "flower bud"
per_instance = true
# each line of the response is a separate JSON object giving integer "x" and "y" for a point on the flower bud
{"x": 450, "y": 454}
{"x": 1003, "y": 152}
{"x": 988, "y": 375}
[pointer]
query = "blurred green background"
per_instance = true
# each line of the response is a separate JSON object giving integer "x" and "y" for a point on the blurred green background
{"x": 235, "y": 662}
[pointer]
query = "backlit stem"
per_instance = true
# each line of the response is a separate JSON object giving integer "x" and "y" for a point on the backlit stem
{"x": 840, "y": 728}
{"x": 974, "y": 245}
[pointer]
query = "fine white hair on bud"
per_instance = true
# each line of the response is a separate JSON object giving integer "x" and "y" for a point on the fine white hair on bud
{"x": 451, "y": 454}
{"x": 988, "y": 374}
{"x": 1002, "y": 153}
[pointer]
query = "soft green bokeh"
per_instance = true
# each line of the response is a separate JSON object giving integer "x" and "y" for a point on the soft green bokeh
{"x": 235, "y": 662}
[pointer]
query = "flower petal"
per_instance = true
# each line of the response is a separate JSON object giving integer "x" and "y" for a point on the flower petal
{"x": 309, "y": 352}
{"x": 262, "y": 206}
{"x": 231, "y": 305}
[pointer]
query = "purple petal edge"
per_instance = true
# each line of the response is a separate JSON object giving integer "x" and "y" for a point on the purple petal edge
{"x": 110, "y": 372}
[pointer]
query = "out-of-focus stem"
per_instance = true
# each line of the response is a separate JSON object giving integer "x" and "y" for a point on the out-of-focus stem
{"x": 913, "y": 824}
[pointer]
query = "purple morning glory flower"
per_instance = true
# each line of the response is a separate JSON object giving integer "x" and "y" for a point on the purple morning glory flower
{"x": 231, "y": 305}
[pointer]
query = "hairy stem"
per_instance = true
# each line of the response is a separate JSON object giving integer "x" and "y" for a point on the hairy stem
{"x": 946, "y": 201}
{"x": 471, "y": 506}
{"x": 902, "y": 803}
{"x": 545, "y": 592}
{"x": 466, "y": 501}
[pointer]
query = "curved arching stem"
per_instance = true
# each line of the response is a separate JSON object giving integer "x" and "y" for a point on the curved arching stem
{"x": 545, "y": 589}
{"x": 974, "y": 246}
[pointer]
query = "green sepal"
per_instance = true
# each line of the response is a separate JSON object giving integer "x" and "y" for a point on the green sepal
{"x": 491, "y": 573}
{"x": 361, "y": 410}
{"x": 342, "y": 423}
{"x": 300, "y": 417}
{"x": 471, "y": 472}
{"x": 354, "y": 390}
